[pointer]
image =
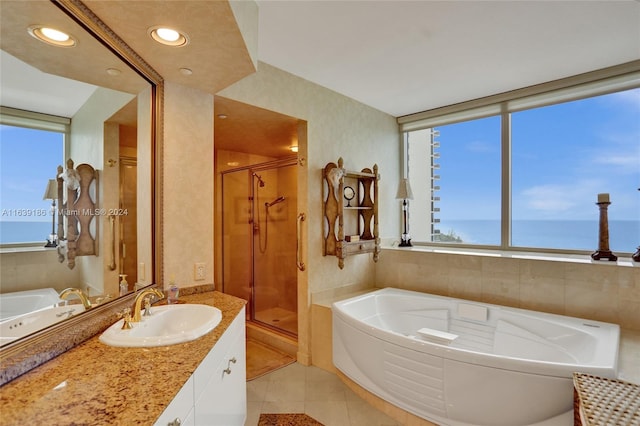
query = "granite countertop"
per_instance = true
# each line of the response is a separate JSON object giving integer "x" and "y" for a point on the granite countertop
{"x": 102, "y": 385}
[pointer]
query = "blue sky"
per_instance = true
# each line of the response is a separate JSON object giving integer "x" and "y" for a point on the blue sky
{"x": 562, "y": 157}
{"x": 25, "y": 169}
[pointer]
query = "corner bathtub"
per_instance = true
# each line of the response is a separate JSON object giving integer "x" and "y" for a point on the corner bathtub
{"x": 457, "y": 362}
{"x": 22, "y": 302}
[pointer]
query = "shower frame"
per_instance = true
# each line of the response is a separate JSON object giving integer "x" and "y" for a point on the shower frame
{"x": 253, "y": 173}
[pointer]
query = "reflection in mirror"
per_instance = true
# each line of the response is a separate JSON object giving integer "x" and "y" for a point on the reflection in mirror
{"x": 58, "y": 103}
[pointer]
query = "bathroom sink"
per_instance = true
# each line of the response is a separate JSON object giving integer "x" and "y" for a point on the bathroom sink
{"x": 167, "y": 325}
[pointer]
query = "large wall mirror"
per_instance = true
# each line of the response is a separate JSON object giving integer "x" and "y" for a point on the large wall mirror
{"x": 108, "y": 102}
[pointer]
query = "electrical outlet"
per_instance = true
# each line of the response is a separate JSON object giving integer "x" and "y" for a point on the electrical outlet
{"x": 199, "y": 271}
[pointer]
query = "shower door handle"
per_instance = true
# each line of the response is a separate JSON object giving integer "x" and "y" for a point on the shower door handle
{"x": 299, "y": 263}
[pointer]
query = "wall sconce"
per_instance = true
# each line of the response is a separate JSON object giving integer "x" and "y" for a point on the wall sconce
{"x": 404, "y": 194}
{"x": 51, "y": 193}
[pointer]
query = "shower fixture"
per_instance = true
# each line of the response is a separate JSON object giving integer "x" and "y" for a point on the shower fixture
{"x": 261, "y": 182}
{"x": 274, "y": 202}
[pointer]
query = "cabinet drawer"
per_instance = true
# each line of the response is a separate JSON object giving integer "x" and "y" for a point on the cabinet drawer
{"x": 363, "y": 246}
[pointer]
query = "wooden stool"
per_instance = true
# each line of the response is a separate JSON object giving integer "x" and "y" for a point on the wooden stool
{"x": 598, "y": 401}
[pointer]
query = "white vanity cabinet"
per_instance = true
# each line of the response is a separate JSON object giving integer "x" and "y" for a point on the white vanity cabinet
{"x": 215, "y": 394}
{"x": 180, "y": 410}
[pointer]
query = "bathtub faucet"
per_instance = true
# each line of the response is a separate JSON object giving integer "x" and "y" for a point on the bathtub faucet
{"x": 64, "y": 294}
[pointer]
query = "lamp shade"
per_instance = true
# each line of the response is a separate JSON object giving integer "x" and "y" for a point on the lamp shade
{"x": 404, "y": 190}
{"x": 51, "y": 193}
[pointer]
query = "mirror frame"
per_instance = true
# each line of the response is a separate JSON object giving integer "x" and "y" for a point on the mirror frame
{"x": 29, "y": 352}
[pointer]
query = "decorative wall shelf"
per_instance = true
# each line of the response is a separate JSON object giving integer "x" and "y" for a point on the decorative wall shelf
{"x": 350, "y": 210}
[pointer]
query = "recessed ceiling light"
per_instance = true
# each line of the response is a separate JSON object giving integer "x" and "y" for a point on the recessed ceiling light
{"x": 51, "y": 36}
{"x": 222, "y": 116}
{"x": 113, "y": 71}
{"x": 168, "y": 36}
{"x": 186, "y": 71}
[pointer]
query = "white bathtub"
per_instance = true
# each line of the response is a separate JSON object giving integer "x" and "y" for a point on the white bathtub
{"x": 456, "y": 362}
{"x": 22, "y": 302}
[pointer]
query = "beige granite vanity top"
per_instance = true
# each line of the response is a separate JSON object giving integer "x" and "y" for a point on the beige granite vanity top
{"x": 98, "y": 384}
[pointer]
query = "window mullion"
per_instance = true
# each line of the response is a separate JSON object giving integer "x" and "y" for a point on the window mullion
{"x": 505, "y": 161}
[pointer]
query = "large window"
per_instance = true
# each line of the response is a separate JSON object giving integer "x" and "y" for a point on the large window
{"x": 526, "y": 173}
{"x": 28, "y": 159}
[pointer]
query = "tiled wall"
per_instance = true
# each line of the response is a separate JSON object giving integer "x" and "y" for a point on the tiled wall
{"x": 602, "y": 291}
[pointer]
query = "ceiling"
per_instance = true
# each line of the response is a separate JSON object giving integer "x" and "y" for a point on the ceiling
{"x": 400, "y": 57}
{"x": 52, "y": 80}
{"x": 403, "y": 57}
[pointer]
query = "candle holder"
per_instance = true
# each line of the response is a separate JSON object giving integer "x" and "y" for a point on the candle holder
{"x": 603, "y": 240}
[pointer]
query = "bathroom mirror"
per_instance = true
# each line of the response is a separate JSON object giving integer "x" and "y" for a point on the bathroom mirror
{"x": 124, "y": 104}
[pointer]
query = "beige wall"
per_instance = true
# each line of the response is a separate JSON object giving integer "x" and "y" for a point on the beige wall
{"x": 188, "y": 185}
{"x": 145, "y": 211}
{"x": 93, "y": 141}
{"x": 31, "y": 270}
{"x": 600, "y": 291}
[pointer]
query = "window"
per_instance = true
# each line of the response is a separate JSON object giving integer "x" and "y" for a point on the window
{"x": 524, "y": 172}
{"x": 29, "y": 157}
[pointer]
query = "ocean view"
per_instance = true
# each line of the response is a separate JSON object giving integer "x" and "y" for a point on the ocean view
{"x": 624, "y": 235}
{"x": 24, "y": 232}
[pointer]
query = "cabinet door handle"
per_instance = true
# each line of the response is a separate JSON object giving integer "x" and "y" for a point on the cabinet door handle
{"x": 228, "y": 369}
{"x": 176, "y": 422}
{"x": 299, "y": 263}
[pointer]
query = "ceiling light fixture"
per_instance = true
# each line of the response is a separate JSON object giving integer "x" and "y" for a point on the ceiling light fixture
{"x": 168, "y": 36}
{"x": 222, "y": 116}
{"x": 51, "y": 36}
{"x": 294, "y": 148}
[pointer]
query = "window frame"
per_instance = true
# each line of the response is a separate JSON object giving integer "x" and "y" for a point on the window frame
{"x": 596, "y": 83}
{"x": 37, "y": 121}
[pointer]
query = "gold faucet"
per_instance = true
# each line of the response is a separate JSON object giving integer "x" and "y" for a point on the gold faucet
{"x": 138, "y": 301}
{"x": 83, "y": 298}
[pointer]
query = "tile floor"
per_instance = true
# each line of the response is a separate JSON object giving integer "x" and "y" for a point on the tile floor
{"x": 311, "y": 390}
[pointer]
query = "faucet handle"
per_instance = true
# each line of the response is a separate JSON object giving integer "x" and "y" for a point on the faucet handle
{"x": 126, "y": 315}
{"x": 147, "y": 307}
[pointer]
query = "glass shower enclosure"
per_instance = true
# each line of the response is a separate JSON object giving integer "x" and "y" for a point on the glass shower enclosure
{"x": 259, "y": 207}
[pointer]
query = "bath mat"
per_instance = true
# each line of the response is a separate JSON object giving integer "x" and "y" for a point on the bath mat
{"x": 287, "y": 420}
{"x": 263, "y": 359}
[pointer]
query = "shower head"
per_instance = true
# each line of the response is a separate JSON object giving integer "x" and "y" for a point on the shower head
{"x": 260, "y": 181}
{"x": 274, "y": 202}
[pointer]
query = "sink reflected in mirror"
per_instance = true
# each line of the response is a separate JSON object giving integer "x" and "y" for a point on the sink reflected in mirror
{"x": 167, "y": 325}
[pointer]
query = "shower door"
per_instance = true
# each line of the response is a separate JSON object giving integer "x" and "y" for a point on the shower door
{"x": 259, "y": 248}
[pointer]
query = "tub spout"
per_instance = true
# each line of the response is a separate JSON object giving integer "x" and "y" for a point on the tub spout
{"x": 64, "y": 294}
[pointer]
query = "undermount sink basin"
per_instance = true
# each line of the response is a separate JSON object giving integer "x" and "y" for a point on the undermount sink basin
{"x": 167, "y": 325}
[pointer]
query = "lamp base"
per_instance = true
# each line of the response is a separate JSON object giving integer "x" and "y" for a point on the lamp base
{"x": 405, "y": 242}
{"x": 52, "y": 241}
{"x": 604, "y": 254}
